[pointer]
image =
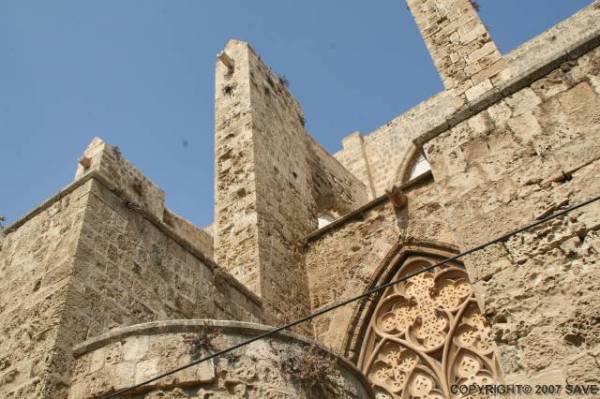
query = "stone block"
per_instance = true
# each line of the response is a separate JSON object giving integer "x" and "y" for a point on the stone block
{"x": 523, "y": 101}
{"x": 526, "y": 127}
{"x": 146, "y": 369}
{"x": 478, "y": 90}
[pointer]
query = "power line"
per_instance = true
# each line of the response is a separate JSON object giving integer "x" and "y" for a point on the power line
{"x": 353, "y": 299}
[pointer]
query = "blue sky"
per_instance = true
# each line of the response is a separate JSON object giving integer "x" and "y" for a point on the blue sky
{"x": 140, "y": 75}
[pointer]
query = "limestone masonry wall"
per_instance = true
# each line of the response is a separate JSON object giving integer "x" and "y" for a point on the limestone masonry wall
{"x": 36, "y": 261}
{"x": 520, "y": 159}
{"x": 340, "y": 264}
{"x": 198, "y": 237}
{"x": 360, "y": 248}
{"x": 108, "y": 162}
{"x": 500, "y": 158}
{"x": 135, "y": 273}
{"x": 458, "y": 42}
{"x": 285, "y": 366}
{"x": 272, "y": 180}
{"x": 513, "y": 139}
{"x": 90, "y": 260}
{"x": 386, "y": 149}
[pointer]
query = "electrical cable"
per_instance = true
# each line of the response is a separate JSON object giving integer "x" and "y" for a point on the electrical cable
{"x": 353, "y": 299}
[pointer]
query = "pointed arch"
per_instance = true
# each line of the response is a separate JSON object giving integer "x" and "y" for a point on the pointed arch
{"x": 413, "y": 161}
{"x": 425, "y": 333}
{"x": 382, "y": 274}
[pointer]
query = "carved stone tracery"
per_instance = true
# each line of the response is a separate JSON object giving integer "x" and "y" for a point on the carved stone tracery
{"x": 427, "y": 334}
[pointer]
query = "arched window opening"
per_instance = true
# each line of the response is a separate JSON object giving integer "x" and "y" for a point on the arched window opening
{"x": 427, "y": 334}
{"x": 414, "y": 164}
{"x": 325, "y": 218}
{"x": 420, "y": 165}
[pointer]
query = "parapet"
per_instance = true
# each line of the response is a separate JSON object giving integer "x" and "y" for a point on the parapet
{"x": 108, "y": 162}
{"x": 286, "y": 365}
{"x": 195, "y": 235}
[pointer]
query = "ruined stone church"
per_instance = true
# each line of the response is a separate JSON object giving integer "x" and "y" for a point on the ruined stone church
{"x": 103, "y": 288}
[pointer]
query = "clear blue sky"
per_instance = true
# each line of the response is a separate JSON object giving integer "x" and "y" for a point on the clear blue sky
{"x": 140, "y": 75}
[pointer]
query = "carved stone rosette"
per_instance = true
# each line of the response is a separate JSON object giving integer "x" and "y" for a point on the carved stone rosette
{"x": 427, "y": 334}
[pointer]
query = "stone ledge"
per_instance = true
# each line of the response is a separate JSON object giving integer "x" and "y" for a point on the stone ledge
{"x": 422, "y": 179}
{"x": 47, "y": 203}
{"x": 532, "y": 60}
{"x": 527, "y": 75}
{"x": 94, "y": 175}
{"x": 189, "y": 326}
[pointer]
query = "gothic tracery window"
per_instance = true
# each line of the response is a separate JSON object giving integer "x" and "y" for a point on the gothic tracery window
{"x": 427, "y": 334}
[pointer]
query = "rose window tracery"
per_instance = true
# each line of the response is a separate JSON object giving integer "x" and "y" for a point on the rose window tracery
{"x": 427, "y": 334}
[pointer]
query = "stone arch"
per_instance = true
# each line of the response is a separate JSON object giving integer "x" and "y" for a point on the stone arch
{"x": 382, "y": 274}
{"x": 407, "y": 166}
{"x": 425, "y": 332}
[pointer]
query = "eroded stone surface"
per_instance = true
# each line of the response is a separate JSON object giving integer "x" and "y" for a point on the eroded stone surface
{"x": 272, "y": 181}
{"x": 280, "y": 367}
{"x": 522, "y": 157}
{"x": 513, "y": 140}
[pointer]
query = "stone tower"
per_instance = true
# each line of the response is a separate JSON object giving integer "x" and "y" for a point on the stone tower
{"x": 272, "y": 182}
{"x": 458, "y": 42}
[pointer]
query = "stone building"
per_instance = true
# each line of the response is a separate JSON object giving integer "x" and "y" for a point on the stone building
{"x": 102, "y": 287}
